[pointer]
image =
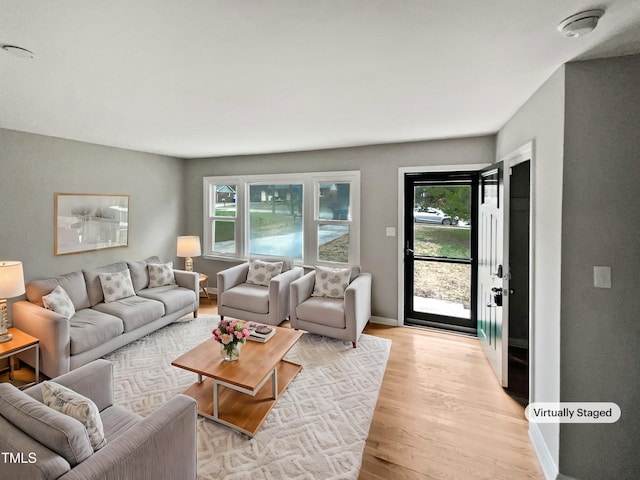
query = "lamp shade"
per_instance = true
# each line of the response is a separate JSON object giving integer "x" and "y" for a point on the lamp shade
{"x": 11, "y": 279}
{"x": 189, "y": 246}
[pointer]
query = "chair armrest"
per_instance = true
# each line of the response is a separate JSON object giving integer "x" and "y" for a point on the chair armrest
{"x": 190, "y": 280}
{"x": 53, "y": 331}
{"x": 300, "y": 290}
{"x": 161, "y": 446}
{"x": 357, "y": 304}
{"x": 93, "y": 380}
{"x": 231, "y": 277}
{"x": 279, "y": 288}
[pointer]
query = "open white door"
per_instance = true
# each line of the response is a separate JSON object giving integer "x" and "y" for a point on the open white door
{"x": 493, "y": 268}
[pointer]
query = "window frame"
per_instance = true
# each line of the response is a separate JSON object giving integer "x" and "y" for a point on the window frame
{"x": 310, "y": 213}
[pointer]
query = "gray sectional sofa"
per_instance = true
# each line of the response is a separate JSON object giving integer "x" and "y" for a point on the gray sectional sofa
{"x": 52, "y": 445}
{"x": 98, "y": 328}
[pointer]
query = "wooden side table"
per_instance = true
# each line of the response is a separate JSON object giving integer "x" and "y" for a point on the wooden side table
{"x": 20, "y": 342}
{"x": 204, "y": 285}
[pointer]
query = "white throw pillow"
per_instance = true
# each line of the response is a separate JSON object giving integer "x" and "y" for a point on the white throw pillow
{"x": 71, "y": 403}
{"x": 60, "y": 302}
{"x": 261, "y": 273}
{"x": 331, "y": 282}
{"x": 116, "y": 285}
{"x": 161, "y": 274}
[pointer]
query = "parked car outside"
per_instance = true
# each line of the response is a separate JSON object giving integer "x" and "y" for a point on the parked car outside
{"x": 433, "y": 215}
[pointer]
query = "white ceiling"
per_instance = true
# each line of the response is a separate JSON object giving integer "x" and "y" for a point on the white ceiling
{"x": 201, "y": 78}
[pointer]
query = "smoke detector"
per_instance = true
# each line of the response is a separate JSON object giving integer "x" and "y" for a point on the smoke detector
{"x": 580, "y": 24}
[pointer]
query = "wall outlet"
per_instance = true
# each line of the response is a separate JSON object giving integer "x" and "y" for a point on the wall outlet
{"x": 391, "y": 232}
{"x": 602, "y": 277}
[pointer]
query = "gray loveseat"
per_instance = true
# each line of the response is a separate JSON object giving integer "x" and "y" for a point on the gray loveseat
{"x": 98, "y": 328}
{"x": 46, "y": 444}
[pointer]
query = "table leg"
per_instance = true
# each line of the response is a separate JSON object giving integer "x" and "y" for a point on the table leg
{"x": 215, "y": 400}
{"x": 37, "y": 363}
{"x": 274, "y": 383}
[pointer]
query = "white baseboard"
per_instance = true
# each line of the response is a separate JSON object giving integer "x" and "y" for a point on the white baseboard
{"x": 549, "y": 467}
{"x": 392, "y": 322}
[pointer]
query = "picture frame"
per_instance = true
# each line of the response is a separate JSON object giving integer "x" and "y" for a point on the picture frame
{"x": 85, "y": 222}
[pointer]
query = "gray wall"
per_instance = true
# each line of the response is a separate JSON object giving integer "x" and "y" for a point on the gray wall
{"x": 34, "y": 167}
{"x": 541, "y": 120}
{"x": 601, "y": 226}
{"x": 379, "y": 192}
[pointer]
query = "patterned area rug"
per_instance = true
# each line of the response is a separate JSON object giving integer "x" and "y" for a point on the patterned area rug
{"x": 317, "y": 429}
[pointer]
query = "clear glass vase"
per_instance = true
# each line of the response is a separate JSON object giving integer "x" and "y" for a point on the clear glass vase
{"x": 231, "y": 352}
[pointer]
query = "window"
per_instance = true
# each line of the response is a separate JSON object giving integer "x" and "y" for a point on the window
{"x": 312, "y": 218}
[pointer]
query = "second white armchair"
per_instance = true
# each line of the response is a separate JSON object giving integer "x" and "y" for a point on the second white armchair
{"x": 340, "y": 315}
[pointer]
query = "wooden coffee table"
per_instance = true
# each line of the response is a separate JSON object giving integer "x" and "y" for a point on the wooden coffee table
{"x": 241, "y": 394}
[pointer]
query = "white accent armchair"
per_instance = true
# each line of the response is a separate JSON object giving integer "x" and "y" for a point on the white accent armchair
{"x": 255, "y": 303}
{"x": 340, "y": 318}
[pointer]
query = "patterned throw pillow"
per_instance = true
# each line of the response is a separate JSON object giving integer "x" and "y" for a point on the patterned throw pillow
{"x": 261, "y": 273}
{"x": 161, "y": 274}
{"x": 71, "y": 403}
{"x": 59, "y": 302}
{"x": 116, "y": 285}
{"x": 331, "y": 282}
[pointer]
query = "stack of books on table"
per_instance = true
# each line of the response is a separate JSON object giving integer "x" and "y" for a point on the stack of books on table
{"x": 260, "y": 333}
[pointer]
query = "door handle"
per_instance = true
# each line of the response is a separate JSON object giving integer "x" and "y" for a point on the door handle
{"x": 408, "y": 251}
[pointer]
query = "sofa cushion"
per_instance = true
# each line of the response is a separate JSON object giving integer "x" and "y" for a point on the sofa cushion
{"x": 116, "y": 285}
{"x": 64, "y": 435}
{"x": 323, "y": 310}
{"x": 92, "y": 279}
{"x": 73, "y": 283}
{"x": 133, "y": 311}
{"x": 261, "y": 272}
{"x": 254, "y": 298}
{"x": 77, "y": 406}
{"x": 140, "y": 273}
{"x": 161, "y": 274}
{"x": 59, "y": 302}
{"x": 173, "y": 297}
{"x": 331, "y": 282}
{"x": 117, "y": 420}
{"x": 90, "y": 328}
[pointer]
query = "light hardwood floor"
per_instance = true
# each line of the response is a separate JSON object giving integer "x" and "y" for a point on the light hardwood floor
{"x": 441, "y": 414}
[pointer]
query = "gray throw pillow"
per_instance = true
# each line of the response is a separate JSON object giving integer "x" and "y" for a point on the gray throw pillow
{"x": 261, "y": 272}
{"x": 71, "y": 403}
{"x": 59, "y": 302}
{"x": 161, "y": 274}
{"x": 331, "y": 282}
{"x": 116, "y": 286}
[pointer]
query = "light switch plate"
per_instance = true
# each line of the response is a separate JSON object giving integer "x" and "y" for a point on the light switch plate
{"x": 391, "y": 232}
{"x": 602, "y": 277}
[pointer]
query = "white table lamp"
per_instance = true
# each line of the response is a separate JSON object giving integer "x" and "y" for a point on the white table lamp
{"x": 189, "y": 246}
{"x": 11, "y": 285}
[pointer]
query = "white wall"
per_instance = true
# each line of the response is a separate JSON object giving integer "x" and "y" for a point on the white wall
{"x": 379, "y": 192}
{"x": 34, "y": 167}
{"x": 541, "y": 119}
{"x": 601, "y": 227}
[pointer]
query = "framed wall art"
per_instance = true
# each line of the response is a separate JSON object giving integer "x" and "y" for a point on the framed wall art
{"x": 85, "y": 222}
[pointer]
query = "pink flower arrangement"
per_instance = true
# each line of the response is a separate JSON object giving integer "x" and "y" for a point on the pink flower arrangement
{"x": 231, "y": 334}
